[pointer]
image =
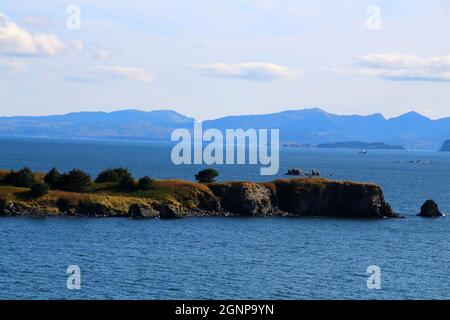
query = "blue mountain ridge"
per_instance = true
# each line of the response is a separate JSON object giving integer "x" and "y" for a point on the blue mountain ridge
{"x": 306, "y": 126}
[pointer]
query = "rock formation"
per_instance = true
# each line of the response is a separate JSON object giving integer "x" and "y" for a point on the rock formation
{"x": 430, "y": 209}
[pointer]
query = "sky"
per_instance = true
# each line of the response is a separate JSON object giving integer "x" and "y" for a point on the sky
{"x": 214, "y": 58}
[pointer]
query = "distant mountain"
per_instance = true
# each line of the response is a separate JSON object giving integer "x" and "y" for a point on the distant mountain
{"x": 360, "y": 145}
{"x": 315, "y": 126}
{"x": 446, "y": 146}
{"x": 125, "y": 124}
{"x": 308, "y": 126}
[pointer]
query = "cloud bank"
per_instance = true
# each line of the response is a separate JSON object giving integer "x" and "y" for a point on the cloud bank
{"x": 406, "y": 67}
{"x": 15, "y": 41}
{"x": 257, "y": 71}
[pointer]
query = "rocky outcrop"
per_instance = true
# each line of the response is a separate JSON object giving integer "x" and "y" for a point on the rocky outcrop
{"x": 140, "y": 211}
{"x": 446, "y": 146}
{"x": 288, "y": 197}
{"x": 303, "y": 197}
{"x": 244, "y": 198}
{"x": 320, "y": 197}
{"x": 430, "y": 209}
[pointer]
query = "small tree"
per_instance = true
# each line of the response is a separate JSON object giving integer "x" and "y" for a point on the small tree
{"x": 39, "y": 189}
{"x": 127, "y": 183}
{"x": 145, "y": 183}
{"x": 75, "y": 181}
{"x": 206, "y": 176}
{"x": 52, "y": 178}
{"x": 112, "y": 175}
{"x": 23, "y": 178}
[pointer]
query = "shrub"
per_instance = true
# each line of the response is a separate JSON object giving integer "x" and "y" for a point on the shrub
{"x": 206, "y": 176}
{"x": 22, "y": 178}
{"x": 39, "y": 189}
{"x": 112, "y": 175}
{"x": 127, "y": 183}
{"x": 52, "y": 178}
{"x": 145, "y": 183}
{"x": 75, "y": 181}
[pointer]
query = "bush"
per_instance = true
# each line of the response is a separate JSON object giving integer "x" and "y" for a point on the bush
{"x": 52, "y": 178}
{"x": 39, "y": 189}
{"x": 127, "y": 183}
{"x": 23, "y": 178}
{"x": 206, "y": 176}
{"x": 145, "y": 183}
{"x": 112, "y": 175}
{"x": 75, "y": 181}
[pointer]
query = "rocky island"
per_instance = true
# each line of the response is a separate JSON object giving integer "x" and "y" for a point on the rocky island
{"x": 446, "y": 146}
{"x": 176, "y": 198}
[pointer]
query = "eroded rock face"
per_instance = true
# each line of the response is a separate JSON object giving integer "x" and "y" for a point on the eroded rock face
{"x": 140, "y": 211}
{"x": 245, "y": 199}
{"x": 168, "y": 211}
{"x": 332, "y": 198}
{"x": 430, "y": 209}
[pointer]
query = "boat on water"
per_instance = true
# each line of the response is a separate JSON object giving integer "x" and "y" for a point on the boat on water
{"x": 363, "y": 151}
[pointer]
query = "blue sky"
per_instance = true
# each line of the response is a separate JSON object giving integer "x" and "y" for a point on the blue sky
{"x": 217, "y": 58}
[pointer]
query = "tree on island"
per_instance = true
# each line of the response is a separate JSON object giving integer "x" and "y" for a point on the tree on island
{"x": 207, "y": 175}
{"x": 127, "y": 183}
{"x": 23, "y": 178}
{"x": 145, "y": 183}
{"x": 112, "y": 175}
{"x": 52, "y": 178}
{"x": 75, "y": 181}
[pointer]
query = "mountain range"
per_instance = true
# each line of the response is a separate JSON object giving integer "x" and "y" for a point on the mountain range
{"x": 307, "y": 126}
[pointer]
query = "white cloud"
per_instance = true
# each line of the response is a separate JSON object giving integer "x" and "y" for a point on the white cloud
{"x": 103, "y": 54}
{"x": 406, "y": 67}
{"x": 16, "y": 41}
{"x": 12, "y": 65}
{"x": 249, "y": 71}
{"x": 133, "y": 73}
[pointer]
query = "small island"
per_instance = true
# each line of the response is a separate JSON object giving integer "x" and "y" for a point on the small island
{"x": 446, "y": 146}
{"x": 360, "y": 145}
{"x": 115, "y": 193}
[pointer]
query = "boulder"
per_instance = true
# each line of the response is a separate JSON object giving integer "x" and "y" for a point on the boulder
{"x": 430, "y": 209}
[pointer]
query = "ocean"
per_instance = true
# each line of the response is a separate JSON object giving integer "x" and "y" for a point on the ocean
{"x": 231, "y": 258}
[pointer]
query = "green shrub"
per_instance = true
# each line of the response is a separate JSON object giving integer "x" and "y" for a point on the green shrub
{"x": 75, "y": 181}
{"x": 23, "y": 178}
{"x": 112, "y": 175}
{"x": 39, "y": 189}
{"x": 52, "y": 178}
{"x": 206, "y": 176}
{"x": 127, "y": 183}
{"x": 145, "y": 183}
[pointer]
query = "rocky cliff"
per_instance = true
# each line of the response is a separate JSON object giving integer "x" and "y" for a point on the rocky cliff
{"x": 289, "y": 197}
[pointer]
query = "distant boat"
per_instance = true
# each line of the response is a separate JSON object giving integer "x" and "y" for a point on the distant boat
{"x": 363, "y": 151}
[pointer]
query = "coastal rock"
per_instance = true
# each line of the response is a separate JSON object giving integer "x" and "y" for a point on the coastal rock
{"x": 139, "y": 211}
{"x": 244, "y": 198}
{"x": 168, "y": 211}
{"x": 430, "y": 209}
{"x": 320, "y": 197}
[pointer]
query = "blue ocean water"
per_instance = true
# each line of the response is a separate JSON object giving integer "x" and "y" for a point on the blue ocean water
{"x": 231, "y": 258}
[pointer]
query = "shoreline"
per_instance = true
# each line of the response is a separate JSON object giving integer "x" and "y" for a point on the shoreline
{"x": 173, "y": 199}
